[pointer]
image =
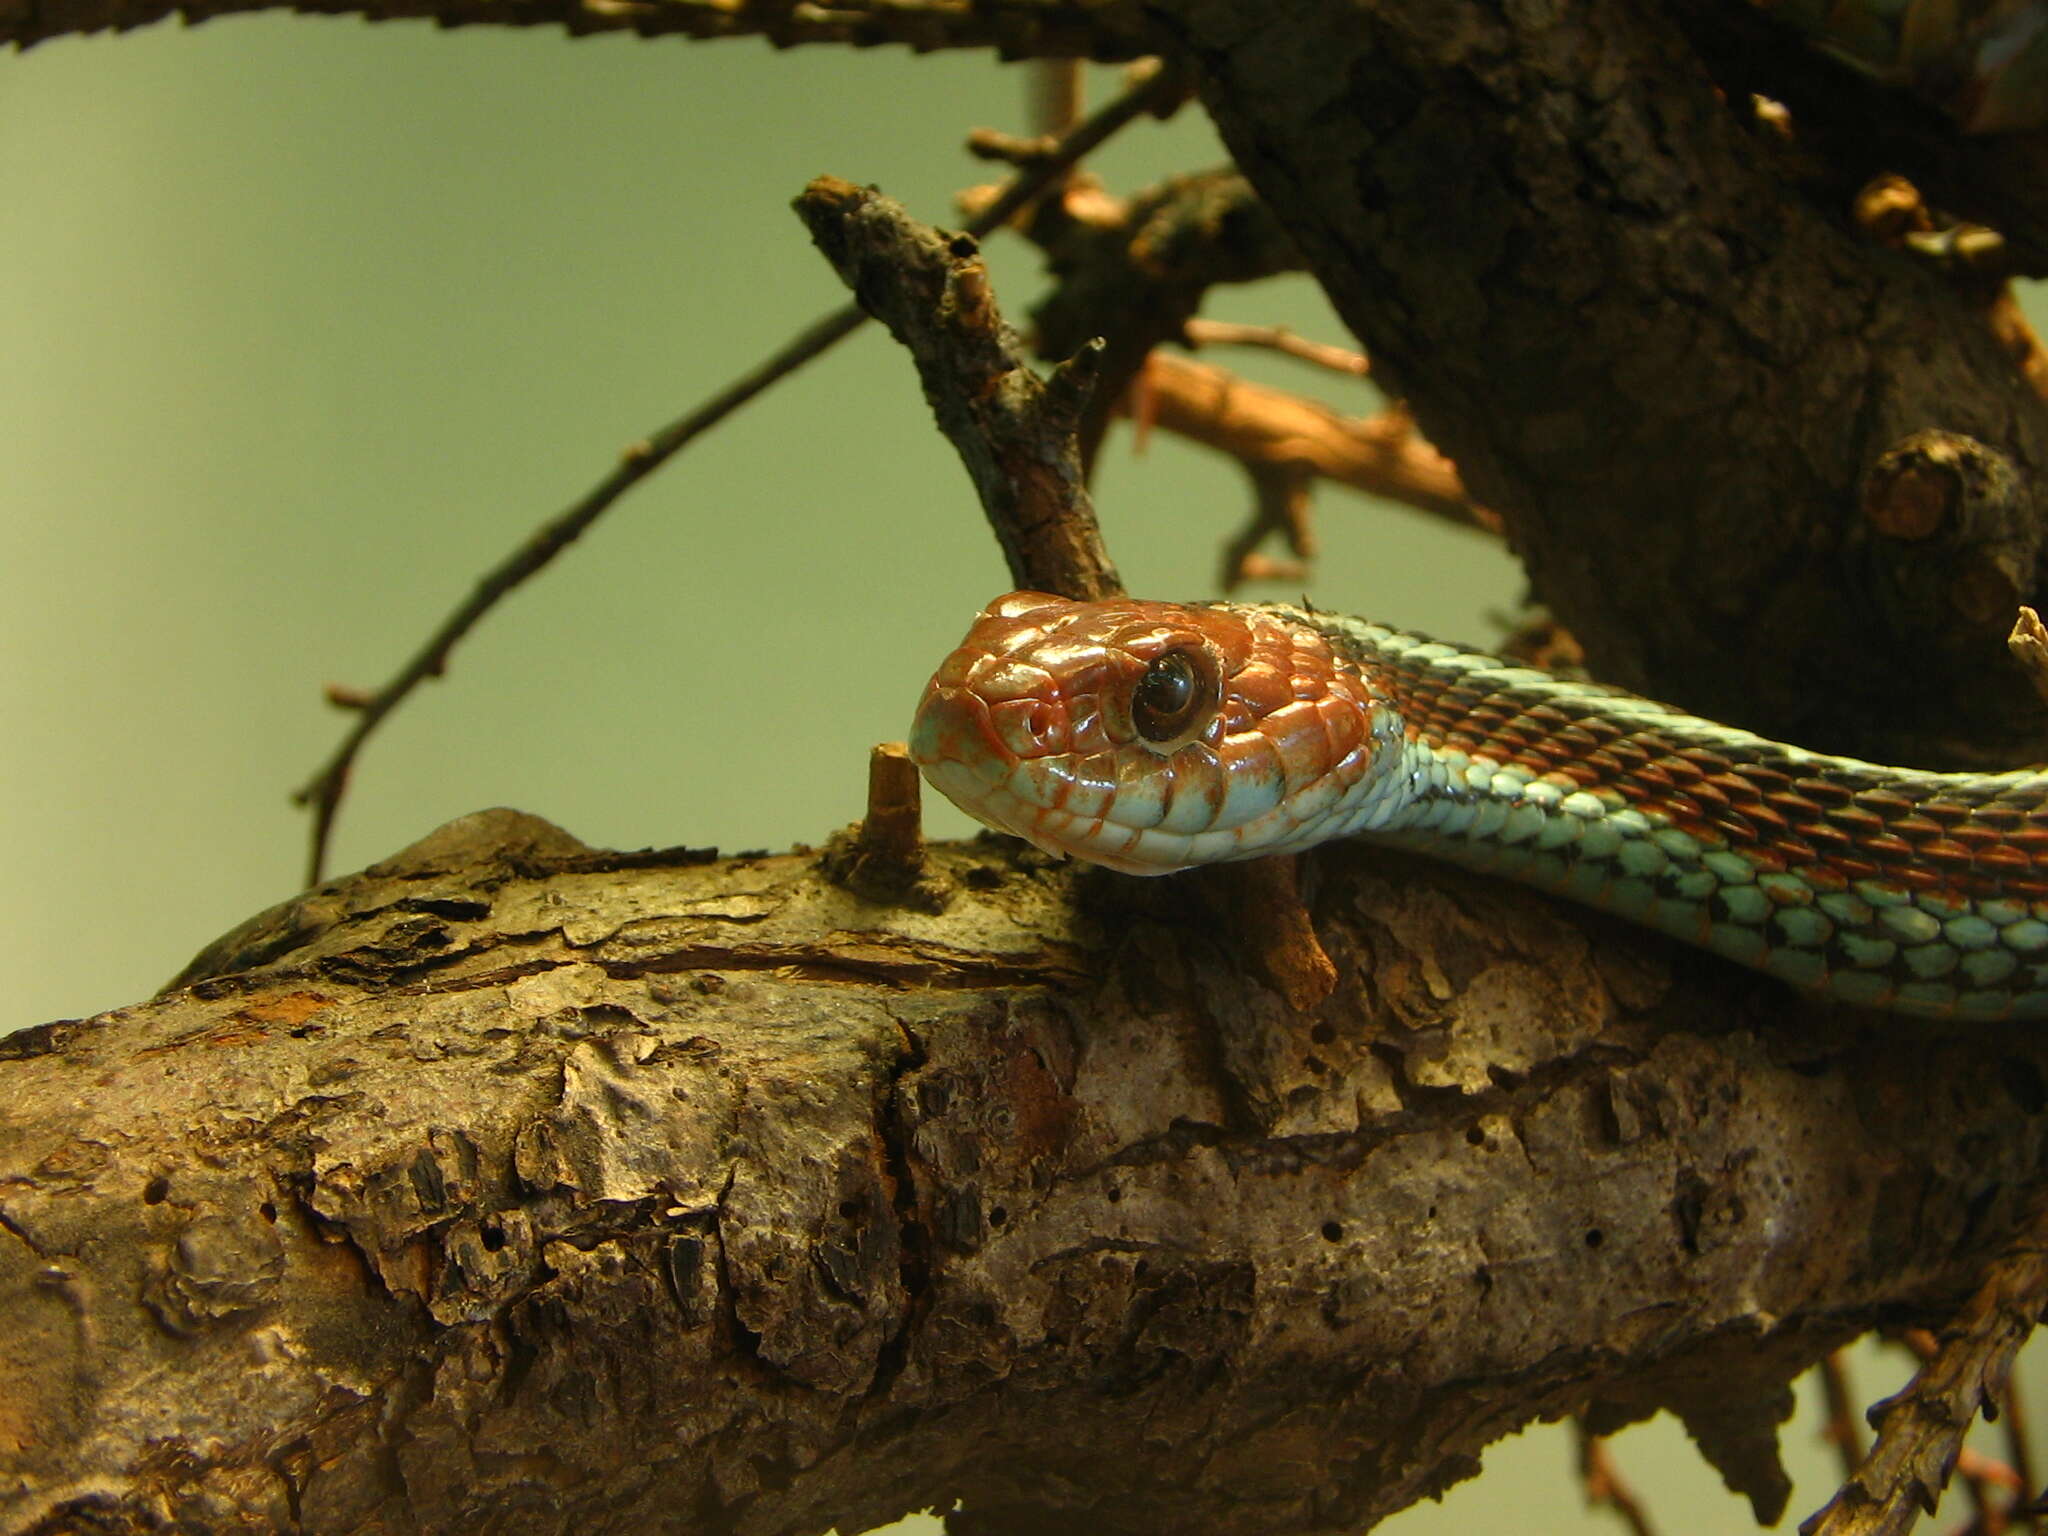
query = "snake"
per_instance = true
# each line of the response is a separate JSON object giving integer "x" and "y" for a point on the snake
{"x": 1150, "y": 737}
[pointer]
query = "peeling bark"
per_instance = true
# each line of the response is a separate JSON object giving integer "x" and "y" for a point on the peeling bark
{"x": 512, "y": 1184}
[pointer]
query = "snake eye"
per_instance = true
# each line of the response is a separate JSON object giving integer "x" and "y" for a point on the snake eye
{"x": 1172, "y": 697}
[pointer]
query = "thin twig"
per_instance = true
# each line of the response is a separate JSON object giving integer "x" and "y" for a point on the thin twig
{"x": 1152, "y": 90}
{"x": 2020, "y": 1452}
{"x": 1841, "y": 1429}
{"x": 324, "y": 791}
{"x": 1277, "y": 338}
{"x": 1604, "y": 1485}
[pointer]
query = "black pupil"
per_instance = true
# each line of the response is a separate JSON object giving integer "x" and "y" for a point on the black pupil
{"x": 1166, "y": 697}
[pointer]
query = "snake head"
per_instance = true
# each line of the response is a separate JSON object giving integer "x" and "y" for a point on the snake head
{"x": 1147, "y": 736}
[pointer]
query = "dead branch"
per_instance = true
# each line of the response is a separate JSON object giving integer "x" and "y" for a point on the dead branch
{"x": 1276, "y": 338}
{"x": 1051, "y": 29}
{"x": 1134, "y": 270}
{"x": 1920, "y": 1430}
{"x": 1013, "y": 431}
{"x": 1841, "y": 1430}
{"x": 1286, "y": 443}
{"x": 1152, "y": 90}
{"x": 1604, "y": 1486}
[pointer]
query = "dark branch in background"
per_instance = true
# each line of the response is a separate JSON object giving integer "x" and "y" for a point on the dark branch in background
{"x": 1018, "y": 29}
{"x": 1155, "y": 91}
{"x": 1856, "y": 128}
{"x": 1920, "y": 1431}
{"x": 1014, "y": 431}
{"x": 324, "y": 791}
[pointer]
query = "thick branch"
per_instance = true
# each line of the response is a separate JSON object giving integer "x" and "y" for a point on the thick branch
{"x": 1640, "y": 345}
{"x": 512, "y": 1185}
{"x": 1859, "y": 128}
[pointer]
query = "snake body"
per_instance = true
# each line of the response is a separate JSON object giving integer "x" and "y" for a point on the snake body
{"x": 1150, "y": 737}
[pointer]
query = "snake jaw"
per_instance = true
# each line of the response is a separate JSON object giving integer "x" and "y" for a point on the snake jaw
{"x": 1028, "y": 726}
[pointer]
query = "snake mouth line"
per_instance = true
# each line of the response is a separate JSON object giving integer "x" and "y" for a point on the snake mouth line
{"x": 1062, "y": 834}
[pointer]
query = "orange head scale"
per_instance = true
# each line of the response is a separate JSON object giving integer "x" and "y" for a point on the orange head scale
{"x": 1153, "y": 736}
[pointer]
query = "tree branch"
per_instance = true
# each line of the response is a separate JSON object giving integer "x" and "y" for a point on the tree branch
{"x": 1111, "y": 32}
{"x": 1013, "y": 431}
{"x": 512, "y": 1183}
{"x": 1155, "y": 90}
{"x": 1644, "y": 349}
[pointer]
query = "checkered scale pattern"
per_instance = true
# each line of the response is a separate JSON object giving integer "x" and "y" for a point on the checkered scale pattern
{"x": 1926, "y": 893}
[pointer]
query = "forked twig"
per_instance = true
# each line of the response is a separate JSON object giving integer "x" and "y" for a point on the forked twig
{"x": 1154, "y": 90}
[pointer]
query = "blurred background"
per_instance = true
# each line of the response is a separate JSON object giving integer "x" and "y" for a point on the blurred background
{"x": 308, "y": 322}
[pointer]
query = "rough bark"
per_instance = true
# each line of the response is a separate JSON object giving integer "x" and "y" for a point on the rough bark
{"x": 511, "y": 1185}
{"x": 1643, "y": 346}
{"x": 517, "y": 1186}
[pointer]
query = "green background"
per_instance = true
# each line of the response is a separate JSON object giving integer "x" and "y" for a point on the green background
{"x": 306, "y": 322}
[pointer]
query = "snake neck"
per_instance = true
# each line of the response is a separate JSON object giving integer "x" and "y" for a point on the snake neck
{"x": 1887, "y": 887}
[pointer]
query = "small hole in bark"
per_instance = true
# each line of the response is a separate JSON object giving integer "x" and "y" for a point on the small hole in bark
{"x": 267, "y": 1211}
{"x": 849, "y": 1209}
{"x": 494, "y": 1239}
{"x": 1475, "y": 1135}
{"x": 997, "y": 1215}
{"x": 1323, "y": 1034}
{"x": 1332, "y": 1232}
{"x": 1483, "y": 1278}
{"x": 156, "y": 1191}
{"x": 1115, "y": 1194}
{"x": 960, "y": 247}
{"x": 1594, "y": 1237}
